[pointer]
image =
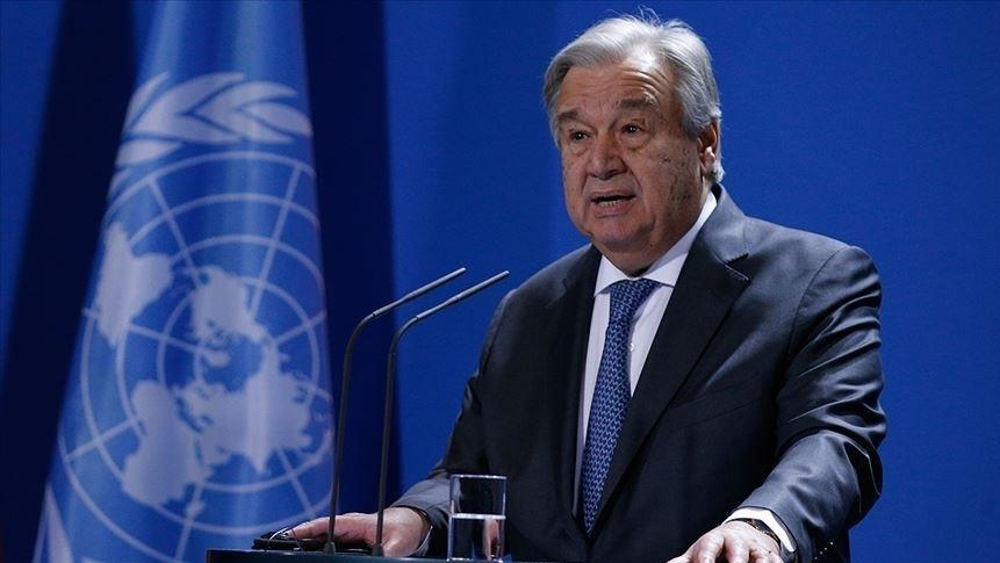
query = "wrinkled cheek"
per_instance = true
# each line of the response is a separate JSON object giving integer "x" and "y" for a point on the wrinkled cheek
{"x": 570, "y": 171}
{"x": 686, "y": 164}
{"x": 573, "y": 210}
{"x": 573, "y": 191}
{"x": 577, "y": 212}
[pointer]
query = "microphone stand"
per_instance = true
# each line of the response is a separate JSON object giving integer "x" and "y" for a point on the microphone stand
{"x": 390, "y": 378}
{"x": 345, "y": 384}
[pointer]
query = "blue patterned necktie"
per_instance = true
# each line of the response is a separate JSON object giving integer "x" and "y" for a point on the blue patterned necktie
{"x": 611, "y": 393}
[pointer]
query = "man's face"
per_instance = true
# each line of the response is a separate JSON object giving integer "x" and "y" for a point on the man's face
{"x": 632, "y": 177}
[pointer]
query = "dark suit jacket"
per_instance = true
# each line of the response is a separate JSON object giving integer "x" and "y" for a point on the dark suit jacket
{"x": 760, "y": 390}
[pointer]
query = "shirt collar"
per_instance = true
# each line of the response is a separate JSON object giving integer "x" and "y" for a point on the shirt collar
{"x": 667, "y": 268}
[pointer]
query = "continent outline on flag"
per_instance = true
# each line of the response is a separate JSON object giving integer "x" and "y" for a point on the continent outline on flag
{"x": 199, "y": 412}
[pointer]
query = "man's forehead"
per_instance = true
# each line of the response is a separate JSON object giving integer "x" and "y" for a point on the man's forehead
{"x": 611, "y": 88}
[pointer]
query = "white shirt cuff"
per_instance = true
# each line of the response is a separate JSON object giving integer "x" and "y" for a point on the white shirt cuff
{"x": 770, "y": 520}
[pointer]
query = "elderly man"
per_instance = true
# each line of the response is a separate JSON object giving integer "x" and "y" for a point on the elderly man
{"x": 696, "y": 384}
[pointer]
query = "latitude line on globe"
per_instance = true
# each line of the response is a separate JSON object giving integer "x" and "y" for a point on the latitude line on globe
{"x": 43, "y": 526}
{"x": 173, "y": 217}
{"x": 262, "y": 241}
{"x": 310, "y": 462}
{"x": 166, "y": 339}
{"x": 244, "y": 197}
{"x": 120, "y": 198}
{"x": 102, "y": 438}
{"x": 301, "y": 328}
{"x": 183, "y": 208}
{"x": 140, "y": 330}
{"x": 296, "y": 484}
{"x": 81, "y": 492}
{"x": 110, "y": 524}
{"x": 189, "y": 519}
{"x": 175, "y": 229}
{"x": 88, "y": 412}
{"x": 279, "y": 227}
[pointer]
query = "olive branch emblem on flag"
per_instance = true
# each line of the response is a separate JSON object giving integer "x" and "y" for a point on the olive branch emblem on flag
{"x": 213, "y": 109}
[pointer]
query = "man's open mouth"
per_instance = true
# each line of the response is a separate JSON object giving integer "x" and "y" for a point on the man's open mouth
{"x": 611, "y": 200}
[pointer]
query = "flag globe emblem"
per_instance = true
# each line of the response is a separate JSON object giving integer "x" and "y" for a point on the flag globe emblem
{"x": 202, "y": 390}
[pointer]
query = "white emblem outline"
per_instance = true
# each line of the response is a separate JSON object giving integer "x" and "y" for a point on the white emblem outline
{"x": 307, "y": 325}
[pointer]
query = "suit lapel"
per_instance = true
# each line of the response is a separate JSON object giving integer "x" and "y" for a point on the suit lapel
{"x": 705, "y": 291}
{"x": 572, "y": 308}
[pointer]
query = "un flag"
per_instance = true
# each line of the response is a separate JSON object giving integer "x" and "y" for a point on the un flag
{"x": 198, "y": 409}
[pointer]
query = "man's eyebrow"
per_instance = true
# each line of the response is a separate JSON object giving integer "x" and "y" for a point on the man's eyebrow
{"x": 643, "y": 103}
{"x": 568, "y": 115}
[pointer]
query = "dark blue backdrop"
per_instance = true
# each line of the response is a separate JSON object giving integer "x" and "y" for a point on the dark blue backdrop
{"x": 873, "y": 123}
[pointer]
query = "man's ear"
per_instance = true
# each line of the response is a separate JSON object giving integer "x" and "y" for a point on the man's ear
{"x": 708, "y": 147}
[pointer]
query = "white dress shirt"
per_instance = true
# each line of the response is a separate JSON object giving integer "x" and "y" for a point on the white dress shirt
{"x": 645, "y": 323}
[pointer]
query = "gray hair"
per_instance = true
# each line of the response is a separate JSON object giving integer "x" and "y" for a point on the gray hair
{"x": 614, "y": 40}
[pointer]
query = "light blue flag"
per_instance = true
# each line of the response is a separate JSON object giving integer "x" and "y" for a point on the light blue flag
{"x": 198, "y": 411}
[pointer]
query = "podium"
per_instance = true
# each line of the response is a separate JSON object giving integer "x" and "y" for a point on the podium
{"x": 259, "y": 556}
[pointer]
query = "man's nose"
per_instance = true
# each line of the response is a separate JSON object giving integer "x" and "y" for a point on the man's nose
{"x": 605, "y": 160}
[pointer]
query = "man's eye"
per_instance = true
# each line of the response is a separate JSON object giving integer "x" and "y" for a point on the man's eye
{"x": 631, "y": 129}
{"x": 577, "y": 135}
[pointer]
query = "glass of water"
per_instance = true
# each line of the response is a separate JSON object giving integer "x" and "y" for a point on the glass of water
{"x": 477, "y": 512}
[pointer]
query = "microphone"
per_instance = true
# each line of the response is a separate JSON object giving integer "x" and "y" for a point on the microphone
{"x": 345, "y": 385}
{"x": 390, "y": 378}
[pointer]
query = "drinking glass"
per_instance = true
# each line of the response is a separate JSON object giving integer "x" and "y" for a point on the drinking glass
{"x": 477, "y": 512}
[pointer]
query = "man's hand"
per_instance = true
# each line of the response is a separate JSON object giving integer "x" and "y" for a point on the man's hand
{"x": 738, "y": 542}
{"x": 403, "y": 532}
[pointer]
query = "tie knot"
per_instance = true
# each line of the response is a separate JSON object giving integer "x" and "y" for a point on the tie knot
{"x": 627, "y": 296}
